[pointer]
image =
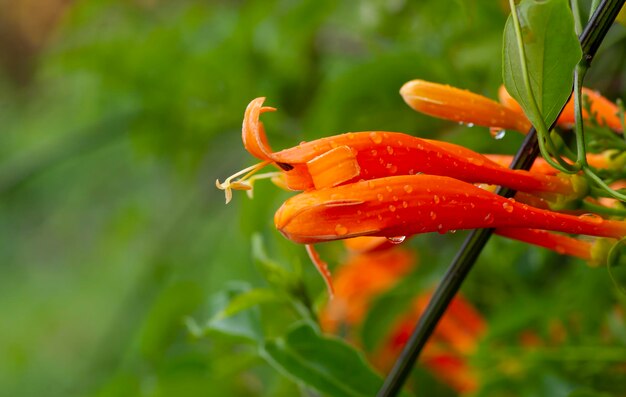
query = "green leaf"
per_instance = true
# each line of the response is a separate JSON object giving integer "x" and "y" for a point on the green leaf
{"x": 241, "y": 323}
{"x": 552, "y": 52}
{"x": 324, "y": 363}
{"x": 247, "y": 300}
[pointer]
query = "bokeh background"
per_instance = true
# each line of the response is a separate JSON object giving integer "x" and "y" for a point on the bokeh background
{"x": 116, "y": 118}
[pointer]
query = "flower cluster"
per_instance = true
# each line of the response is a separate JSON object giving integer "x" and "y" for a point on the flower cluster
{"x": 393, "y": 185}
{"x": 374, "y": 267}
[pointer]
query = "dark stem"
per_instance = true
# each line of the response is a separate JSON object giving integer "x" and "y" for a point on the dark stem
{"x": 590, "y": 41}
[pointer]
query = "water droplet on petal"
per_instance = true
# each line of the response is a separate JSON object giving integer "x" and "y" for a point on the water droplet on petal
{"x": 489, "y": 218}
{"x": 392, "y": 208}
{"x": 497, "y": 133}
{"x": 507, "y": 207}
{"x": 389, "y": 150}
{"x": 395, "y": 198}
{"x": 451, "y": 231}
{"x": 389, "y": 189}
{"x": 341, "y": 230}
{"x": 470, "y": 125}
{"x": 397, "y": 239}
{"x": 380, "y": 197}
{"x": 436, "y": 199}
{"x": 408, "y": 188}
{"x": 376, "y": 137}
{"x": 593, "y": 218}
{"x": 405, "y": 204}
{"x": 433, "y": 215}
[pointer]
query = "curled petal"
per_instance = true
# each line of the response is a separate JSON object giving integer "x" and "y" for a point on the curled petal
{"x": 407, "y": 205}
{"x": 253, "y": 132}
{"x": 450, "y": 103}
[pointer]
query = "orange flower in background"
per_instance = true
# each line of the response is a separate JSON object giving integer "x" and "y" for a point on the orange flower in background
{"x": 455, "y": 338}
{"x": 605, "y": 112}
{"x": 376, "y": 268}
{"x": 364, "y": 276}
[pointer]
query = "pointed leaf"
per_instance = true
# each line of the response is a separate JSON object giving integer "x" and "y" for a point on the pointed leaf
{"x": 552, "y": 52}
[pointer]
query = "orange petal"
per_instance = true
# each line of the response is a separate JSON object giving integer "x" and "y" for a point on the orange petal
{"x": 253, "y": 132}
{"x": 334, "y": 167}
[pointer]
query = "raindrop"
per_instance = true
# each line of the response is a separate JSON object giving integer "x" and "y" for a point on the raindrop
{"x": 405, "y": 204}
{"x": 507, "y": 207}
{"x": 389, "y": 150}
{"x": 397, "y": 239}
{"x": 489, "y": 218}
{"x": 436, "y": 199}
{"x": 408, "y": 188}
{"x": 451, "y": 231}
{"x": 395, "y": 198}
{"x": 470, "y": 125}
{"x": 498, "y": 133}
{"x": 374, "y": 152}
{"x": 375, "y": 137}
{"x": 392, "y": 208}
{"x": 380, "y": 197}
{"x": 341, "y": 230}
{"x": 433, "y": 215}
{"x": 593, "y": 218}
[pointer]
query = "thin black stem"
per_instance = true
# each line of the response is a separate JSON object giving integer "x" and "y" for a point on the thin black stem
{"x": 590, "y": 41}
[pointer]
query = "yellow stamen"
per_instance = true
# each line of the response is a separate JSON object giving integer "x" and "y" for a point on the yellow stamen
{"x": 242, "y": 183}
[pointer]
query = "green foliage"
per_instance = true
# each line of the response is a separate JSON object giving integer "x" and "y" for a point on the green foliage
{"x": 325, "y": 363}
{"x": 551, "y": 52}
{"x": 123, "y": 274}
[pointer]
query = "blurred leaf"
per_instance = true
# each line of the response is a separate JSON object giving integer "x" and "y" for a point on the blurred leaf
{"x": 588, "y": 393}
{"x": 276, "y": 275}
{"x": 247, "y": 300}
{"x": 324, "y": 363}
{"x": 245, "y": 323}
{"x": 552, "y": 51}
{"x": 166, "y": 317}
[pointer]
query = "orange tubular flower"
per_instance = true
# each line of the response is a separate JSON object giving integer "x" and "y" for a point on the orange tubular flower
{"x": 561, "y": 244}
{"x": 374, "y": 270}
{"x": 450, "y": 103}
{"x": 351, "y": 157}
{"x": 413, "y": 204}
{"x": 605, "y": 111}
{"x": 359, "y": 280}
{"x": 606, "y": 160}
{"x": 455, "y": 337}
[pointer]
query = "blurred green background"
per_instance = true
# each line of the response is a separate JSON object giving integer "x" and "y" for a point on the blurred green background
{"x": 116, "y": 118}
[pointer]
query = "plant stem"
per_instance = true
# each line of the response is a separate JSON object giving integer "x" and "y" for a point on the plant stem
{"x": 590, "y": 40}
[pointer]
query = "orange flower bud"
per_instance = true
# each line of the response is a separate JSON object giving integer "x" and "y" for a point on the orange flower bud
{"x": 450, "y": 103}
